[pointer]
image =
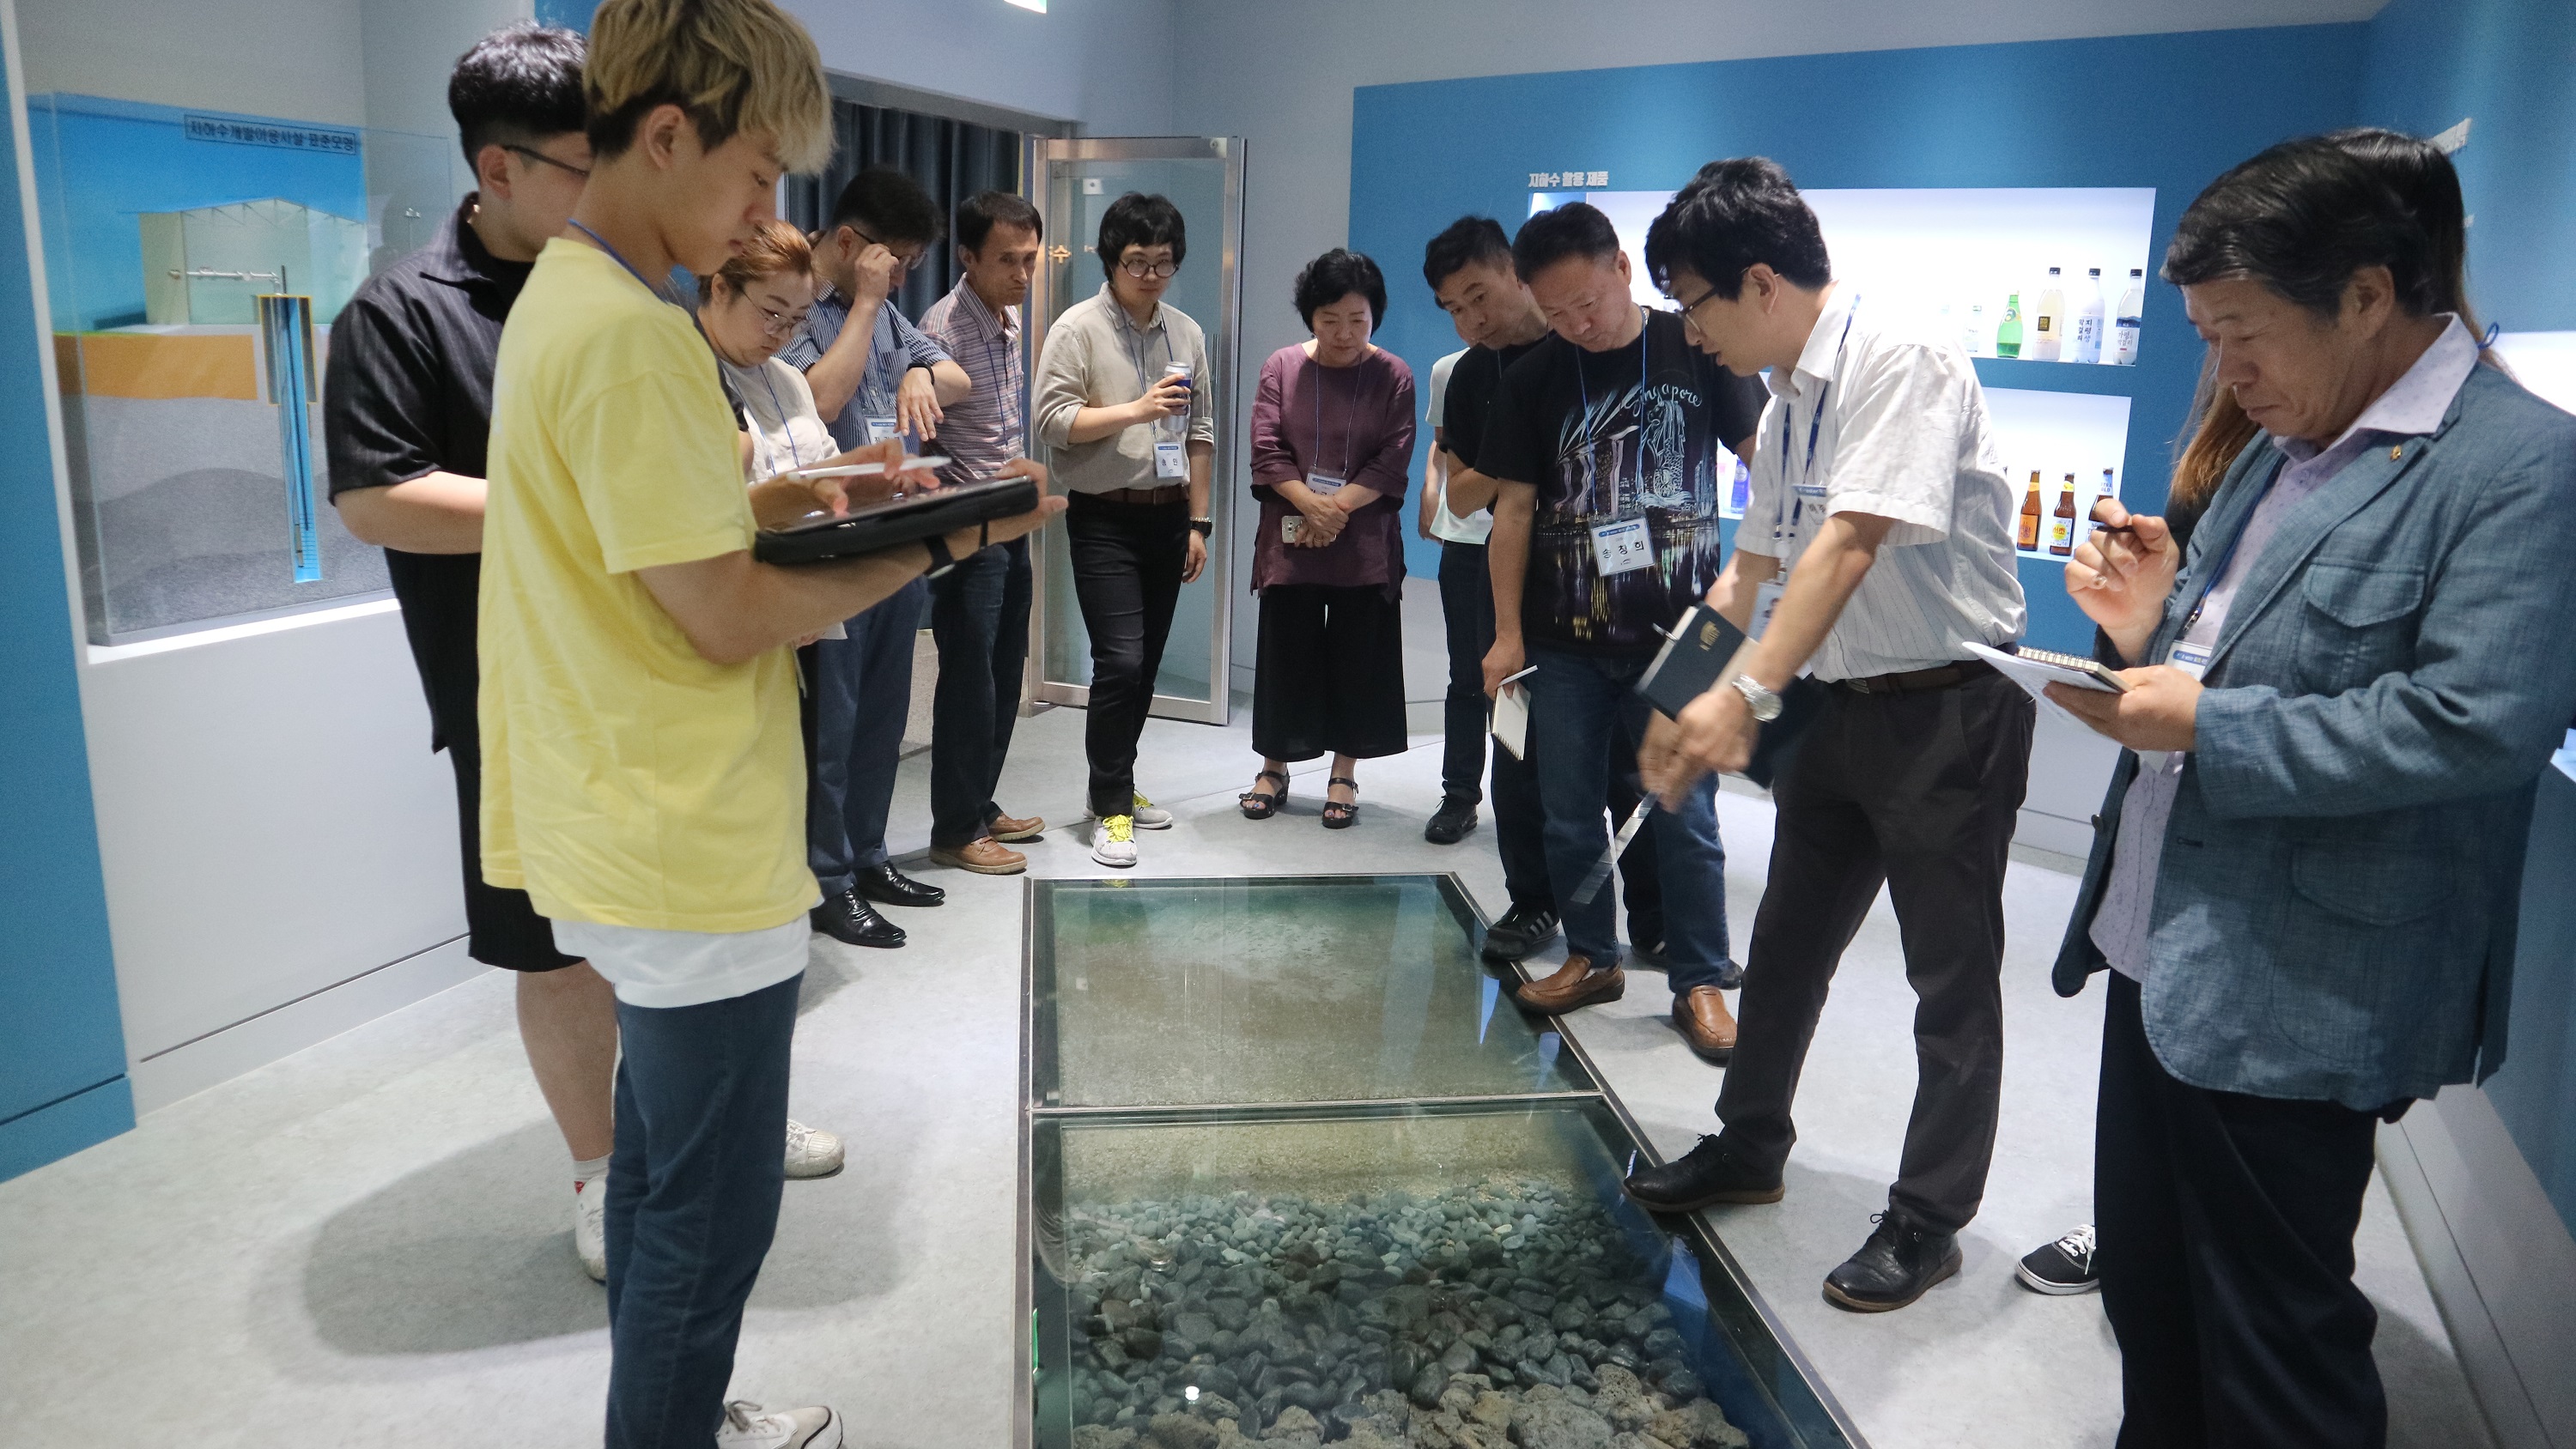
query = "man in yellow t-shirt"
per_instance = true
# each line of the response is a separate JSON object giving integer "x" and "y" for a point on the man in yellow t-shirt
{"x": 643, "y": 778}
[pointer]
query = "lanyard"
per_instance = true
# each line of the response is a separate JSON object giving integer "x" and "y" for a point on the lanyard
{"x": 1585, "y": 390}
{"x": 620, "y": 258}
{"x": 1134, "y": 339}
{"x": 1320, "y": 371}
{"x": 2227, "y": 555}
{"x": 998, "y": 344}
{"x": 1789, "y": 501}
{"x": 786, "y": 423}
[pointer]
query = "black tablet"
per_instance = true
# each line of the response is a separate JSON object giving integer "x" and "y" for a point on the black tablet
{"x": 896, "y": 522}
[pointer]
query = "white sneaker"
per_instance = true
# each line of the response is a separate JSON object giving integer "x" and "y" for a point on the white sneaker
{"x": 746, "y": 1426}
{"x": 811, "y": 1151}
{"x": 1113, "y": 841}
{"x": 590, "y": 1226}
{"x": 1150, "y": 816}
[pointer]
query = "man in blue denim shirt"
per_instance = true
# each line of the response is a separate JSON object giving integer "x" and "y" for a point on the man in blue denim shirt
{"x": 874, "y": 376}
{"x": 2307, "y": 873}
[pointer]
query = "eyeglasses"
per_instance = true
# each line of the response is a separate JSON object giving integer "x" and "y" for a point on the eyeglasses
{"x": 1690, "y": 310}
{"x": 539, "y": 156}
{"x": 777, "y": 324}
{"x": 901, "y": 261}
{"x": 1159, "y": 271}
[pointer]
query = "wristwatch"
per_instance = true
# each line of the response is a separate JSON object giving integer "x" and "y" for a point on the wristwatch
{"x": 1764, "y": 704}
{"x": 1203, "y": 527}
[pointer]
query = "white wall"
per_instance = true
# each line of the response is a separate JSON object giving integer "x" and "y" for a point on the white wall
{"x": 1109, "y": 64}
{"x": 1280, "y": 74}
{"x": 295, "y": 59}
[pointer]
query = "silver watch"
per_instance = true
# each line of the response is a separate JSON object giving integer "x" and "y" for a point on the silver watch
{"x": 1764, "y": 704}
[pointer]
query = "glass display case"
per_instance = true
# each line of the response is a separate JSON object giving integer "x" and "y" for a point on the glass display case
{"x": 194, "y": 263}
{"x": 1295, "y": 1169}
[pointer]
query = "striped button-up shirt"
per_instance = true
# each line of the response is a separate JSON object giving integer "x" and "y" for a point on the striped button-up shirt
{"x": 991, "y": 426}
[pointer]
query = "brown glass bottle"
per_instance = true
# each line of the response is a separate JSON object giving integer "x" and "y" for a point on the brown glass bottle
{"x": 2028, "y": 540}
{"x": 2061, "y": 530}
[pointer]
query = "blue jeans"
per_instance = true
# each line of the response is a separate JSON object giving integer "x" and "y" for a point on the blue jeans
{"x": 979, "y": 616}
{"x": 861, "y": 692}
{"x": 692, "y": 1204}
{"x": 1586, "y": 719}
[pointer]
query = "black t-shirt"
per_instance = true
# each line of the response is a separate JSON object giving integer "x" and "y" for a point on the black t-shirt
{"x": 1469, "y": 403}
{"x": 409, "y": 392}
{"x": 1638, "y": 432}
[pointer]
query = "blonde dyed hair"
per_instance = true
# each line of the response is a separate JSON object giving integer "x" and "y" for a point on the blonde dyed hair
{"x": 734, "y": 66}
{"x": 775, "y": 248}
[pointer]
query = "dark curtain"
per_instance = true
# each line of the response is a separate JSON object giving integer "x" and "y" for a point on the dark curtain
{"x": 951, "y": 159}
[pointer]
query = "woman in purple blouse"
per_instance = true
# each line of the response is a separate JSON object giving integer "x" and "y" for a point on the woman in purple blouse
{"x": 1332, "y": 447}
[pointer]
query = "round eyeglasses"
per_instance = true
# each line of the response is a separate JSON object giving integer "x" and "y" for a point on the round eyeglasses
{"x": 1158, "y": 271}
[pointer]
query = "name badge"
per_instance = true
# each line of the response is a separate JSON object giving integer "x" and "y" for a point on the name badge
{"x": 1810, "y": 490}
{"x": 1170, "y": 461}
{"x": 1324, "y": 485}
{"x": 1766, "y": 597}
{"x": 1622, "y": 547}
{"x": 884, "y": 430}
{"x": 2191, "y": 659}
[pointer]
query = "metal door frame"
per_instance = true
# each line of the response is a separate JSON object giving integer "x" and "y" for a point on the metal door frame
{"x": 1225, "y": 343}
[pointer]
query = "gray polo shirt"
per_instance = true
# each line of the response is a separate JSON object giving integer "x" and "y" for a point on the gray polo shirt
{"x": 1097, "y": 357}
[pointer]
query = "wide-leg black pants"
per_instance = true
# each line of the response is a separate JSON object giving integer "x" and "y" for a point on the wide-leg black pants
{"x": 1329, "y": 678}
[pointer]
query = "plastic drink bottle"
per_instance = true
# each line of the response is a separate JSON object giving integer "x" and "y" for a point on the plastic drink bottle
{"x": 1973, "y": 336}
{"x": 2088, "y": 320}
{"x": 2124, "y": 330}
{"x": 2048, "y": 337}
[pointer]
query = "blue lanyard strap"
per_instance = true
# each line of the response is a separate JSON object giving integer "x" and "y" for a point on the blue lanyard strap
{"x": 786, "y": 424}
{"x": 2208, "y": 583}
{"x": 1796, "y": 504}
{"x": 1320, "y": 371}
{"x": 619, "y": 257}
{"x": 1133, "y": 336}
{"x": 1584, "y": 388}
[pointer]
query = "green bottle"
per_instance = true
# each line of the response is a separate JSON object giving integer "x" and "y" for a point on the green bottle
{"x": 2008, "y": 336}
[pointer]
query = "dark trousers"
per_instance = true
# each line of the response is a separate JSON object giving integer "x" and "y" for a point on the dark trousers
{"x": 1919, "y": 792}
{"x": 979, "y": 617}
{"x": 2226, "y": 1226}
{"x": 1127, "y": 562}
{"x": 692, "y": 1204}
{"x": 1329, "y": 674}
{"x": 1586, "y": 719}
{"x": 1467, "y": 609}
{"x": 858, "y": 693}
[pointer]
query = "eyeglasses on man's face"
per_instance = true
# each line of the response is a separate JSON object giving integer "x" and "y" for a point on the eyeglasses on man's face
{"x": 1143, "y": 270}
{"x": 542, "y": 159}
{"x": 905, "y": 258}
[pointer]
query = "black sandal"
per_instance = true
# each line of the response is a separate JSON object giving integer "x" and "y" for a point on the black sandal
{"x": 1338, "y": 814}
{"x": 1258, "y": 805}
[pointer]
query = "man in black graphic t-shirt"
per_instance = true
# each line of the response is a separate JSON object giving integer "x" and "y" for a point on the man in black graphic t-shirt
{"x": 1614, "y": 440}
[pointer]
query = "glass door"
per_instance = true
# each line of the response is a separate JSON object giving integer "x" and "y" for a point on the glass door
{"x": 1077, "y": 179}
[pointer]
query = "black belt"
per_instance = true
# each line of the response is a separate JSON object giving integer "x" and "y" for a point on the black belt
{"x": 1168, "y": 493}
{"x": 1917, "y": 681}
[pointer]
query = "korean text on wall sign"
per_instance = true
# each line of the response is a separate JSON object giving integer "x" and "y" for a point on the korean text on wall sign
{"x": 247, "y": 133}
{"x": 1552, "y": 180}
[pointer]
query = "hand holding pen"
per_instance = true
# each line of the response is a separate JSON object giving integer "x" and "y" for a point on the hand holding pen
{"x": 2121, "y": 574}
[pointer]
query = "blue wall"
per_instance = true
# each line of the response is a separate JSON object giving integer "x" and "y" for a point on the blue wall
{"x": 2166, "y": 111}
{"x": 2510, "y": 65}
{"x": 570, "y": 14}
{"x": 100, "y": 164}
{"x": 62, "y": 1047}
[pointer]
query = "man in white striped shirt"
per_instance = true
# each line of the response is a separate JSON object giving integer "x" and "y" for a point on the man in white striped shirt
{"x": 979, "y": 610}
{"x": 1877, "y": 544}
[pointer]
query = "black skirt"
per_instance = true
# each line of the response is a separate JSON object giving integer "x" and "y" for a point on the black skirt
{"x": 1329, "y": 678}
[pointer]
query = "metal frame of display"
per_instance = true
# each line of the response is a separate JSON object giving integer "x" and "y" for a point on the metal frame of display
{"x": 1698, "y": 1238}
{"x": 1223, "y": 354}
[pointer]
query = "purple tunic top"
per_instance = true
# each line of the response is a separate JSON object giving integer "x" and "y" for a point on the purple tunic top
{"x": 1354, "y": 423}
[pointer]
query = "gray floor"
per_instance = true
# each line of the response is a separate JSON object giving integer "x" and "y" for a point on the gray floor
{"x": 367, "y": 1243}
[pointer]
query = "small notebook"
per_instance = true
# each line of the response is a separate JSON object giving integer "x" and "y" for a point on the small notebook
{"x": 1511, "y": 719}
{"x": 1699, "y": 653}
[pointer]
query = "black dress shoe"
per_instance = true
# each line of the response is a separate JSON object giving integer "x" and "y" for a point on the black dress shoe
{"x": 1901, "y": 1259}
{"x": 847, "y": 918}
{"x": 1521, "y": 932}
{"x": 888, "y": 886}
{"x": 1451, "y": 822}
{"x": 1705, "y": 1176}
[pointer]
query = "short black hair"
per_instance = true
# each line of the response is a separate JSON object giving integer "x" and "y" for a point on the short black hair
{"x": 891, "y": 205}
{"x": 1576, "y": 229}
{"x": 518, "y": 85}
{"x": 1337, "y": 274}
{"x": 978, "y": 214}
{"x": 1733, "y": 214}
{"x": 2425, "y": 181}
{"x": 1139, "y": 220}
{"x": 2301, "y": 218}
{"x": 1466, "y": 242}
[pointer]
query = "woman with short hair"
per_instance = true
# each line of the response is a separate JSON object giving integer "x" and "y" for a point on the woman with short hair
{"x": 1332, "y": 448}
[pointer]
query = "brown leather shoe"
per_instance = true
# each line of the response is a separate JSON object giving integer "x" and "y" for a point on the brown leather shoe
{"x": 1574, "y": 984}
{"x": 1008, "y": 830}
{"x": 983, "y": 855}
{"x": 1705, "y": 1023}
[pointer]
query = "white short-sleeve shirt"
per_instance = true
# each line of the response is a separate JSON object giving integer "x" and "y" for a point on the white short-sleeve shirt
{"x": 1899, "y": 430}
{"x": 1446, "y": 526}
